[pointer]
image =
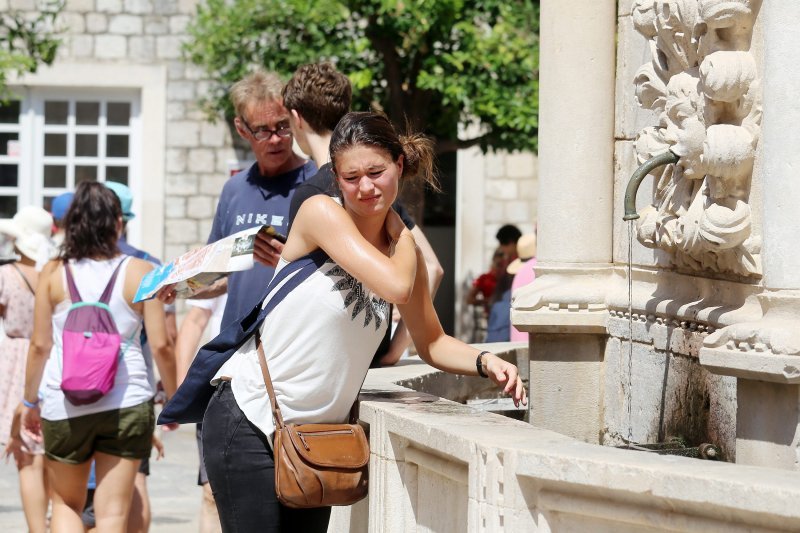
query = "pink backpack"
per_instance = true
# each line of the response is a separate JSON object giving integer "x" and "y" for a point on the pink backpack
{"x": 91, "y": 345}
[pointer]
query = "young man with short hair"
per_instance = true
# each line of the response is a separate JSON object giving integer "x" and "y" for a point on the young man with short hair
{"x": 317, "y": 97}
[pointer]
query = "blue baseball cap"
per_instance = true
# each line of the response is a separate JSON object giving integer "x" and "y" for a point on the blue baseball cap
{"x": 125, "y": 198}
{"x": 60, "y": 205}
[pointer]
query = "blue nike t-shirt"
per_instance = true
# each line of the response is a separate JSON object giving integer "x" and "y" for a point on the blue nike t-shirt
{"x": 249, "y": 199}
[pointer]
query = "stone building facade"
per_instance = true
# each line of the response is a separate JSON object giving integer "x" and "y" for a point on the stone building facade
{"x": 175, "y": 160}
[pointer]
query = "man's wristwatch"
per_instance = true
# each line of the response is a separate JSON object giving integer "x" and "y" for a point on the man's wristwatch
{"x": 479, "y": 364}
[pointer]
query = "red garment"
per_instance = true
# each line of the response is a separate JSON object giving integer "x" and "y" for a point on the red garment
{"x": 486, "y": 283}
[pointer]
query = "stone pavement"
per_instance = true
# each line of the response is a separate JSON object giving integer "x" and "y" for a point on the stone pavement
{"x": 174, "y": 494}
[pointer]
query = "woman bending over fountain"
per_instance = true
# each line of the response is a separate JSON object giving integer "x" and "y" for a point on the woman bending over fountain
{"x": 320, "y": 338}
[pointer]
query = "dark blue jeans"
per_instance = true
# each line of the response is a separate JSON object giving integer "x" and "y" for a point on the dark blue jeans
{"x": 242, "y": 474}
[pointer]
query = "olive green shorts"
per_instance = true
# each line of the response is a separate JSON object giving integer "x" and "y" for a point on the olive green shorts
{"x": 126, "y": 432}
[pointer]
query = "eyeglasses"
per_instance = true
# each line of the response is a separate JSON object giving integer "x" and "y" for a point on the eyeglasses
{"x": 265, "y": 134}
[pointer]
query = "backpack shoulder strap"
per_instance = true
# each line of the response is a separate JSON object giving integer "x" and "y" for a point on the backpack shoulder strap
{"x": 74, "y": 295}
{"x": 106, "y": 296}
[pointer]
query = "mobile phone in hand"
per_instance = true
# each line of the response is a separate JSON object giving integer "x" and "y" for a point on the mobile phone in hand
{"x": 275, "y": 234}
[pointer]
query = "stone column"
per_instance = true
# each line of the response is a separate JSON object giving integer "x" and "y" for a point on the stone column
{"x": 763, "y": 355}
{"x": 564, "y": 308}
{"x": 781, "y": 138}
{"x": 576, "y": 131}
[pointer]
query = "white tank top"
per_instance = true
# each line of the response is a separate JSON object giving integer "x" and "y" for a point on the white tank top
{"x": 319, "y": 342}
{"x": 134, "y": 381}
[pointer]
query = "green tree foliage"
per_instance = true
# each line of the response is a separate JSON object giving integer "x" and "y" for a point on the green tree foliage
{"x": 26, "y": 41}
{"x": 433, "y": 64}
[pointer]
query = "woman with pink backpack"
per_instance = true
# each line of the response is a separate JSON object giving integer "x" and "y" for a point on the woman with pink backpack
{"x": 86, "y": 358}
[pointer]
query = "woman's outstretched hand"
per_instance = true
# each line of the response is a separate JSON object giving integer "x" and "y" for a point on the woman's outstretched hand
{"x": 507, "y": 376}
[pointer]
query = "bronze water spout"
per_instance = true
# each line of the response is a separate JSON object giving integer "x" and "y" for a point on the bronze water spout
{"x": 666, "y": 158}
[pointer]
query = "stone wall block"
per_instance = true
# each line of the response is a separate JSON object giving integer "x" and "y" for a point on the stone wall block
{"x": 181, "y": 185}
{"x": 178, "y": 23}
{"x": 181, "y": 231}
{"x": 183, "y": 133}
{"x": 188, "y": 7}
{"x": 200, "y": 160}
{"x": 140, "y": 7}
{"x": 81, "y": 46}
{"x": 71, "y": 22}
{"x": 126, "y": 25}
{"x": 81, "y": 6}
{"x": 156, "y": 25}
{"x": 194, "y": 72}
{"x": 204, "y": 228}
{"x": 213, "y": 183}
{"x": 203, "y": 87}
{"x": 195, "y": 113}
{"x": 180, "y": 90}
{"x": 521, "y": 165}
{"x": 176, "y": 70}
{"x": 620, "y": 327}
{"x": 109, "y": 6}
{"x": 495, "y": 212}
{"x": 224, "y": 157}
{"x": 518, "y": 212}
{"x": 23, "y": 5}
{"x": 176, "y": 111}
{"x": 527, "y": 190}
{"x": 166, "y": 7}
{"x": 495, "y": 165}
{"x": 169, "y": 47}
{"x": 502, "y": 189}
{"x": 176, "y": 160}
{"x": 214, "y": 134}
{"x": 613, "y": 395}
{"x": 200, "y": 207}
{"x": 175, "y": 207}
{"x": 111, "y": 46}
{"x": 96, "y": 23}
{"x": 142, "y": 48}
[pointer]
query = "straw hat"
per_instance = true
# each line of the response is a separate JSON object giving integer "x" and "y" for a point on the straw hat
{"x": 526, "y": 250}
{"x": 31, "y": 228}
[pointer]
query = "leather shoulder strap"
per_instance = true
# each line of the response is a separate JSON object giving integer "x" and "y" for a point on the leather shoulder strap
{"x": 262, "y": 360}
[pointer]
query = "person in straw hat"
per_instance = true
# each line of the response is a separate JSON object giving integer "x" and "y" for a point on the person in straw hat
{"x": 30, "y": 230}
{"x": 522, "y": 270}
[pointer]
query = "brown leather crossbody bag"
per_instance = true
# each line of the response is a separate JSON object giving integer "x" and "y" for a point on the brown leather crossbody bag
{"x": 316, "y": 465}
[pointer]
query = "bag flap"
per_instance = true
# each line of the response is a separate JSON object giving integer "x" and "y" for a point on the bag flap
{"x": 330, "y": 445}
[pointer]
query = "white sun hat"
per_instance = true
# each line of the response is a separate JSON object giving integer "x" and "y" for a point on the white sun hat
{"x": 31, "y": 228}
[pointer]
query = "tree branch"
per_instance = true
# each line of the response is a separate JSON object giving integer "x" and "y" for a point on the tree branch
{"x": 444, "y": 146}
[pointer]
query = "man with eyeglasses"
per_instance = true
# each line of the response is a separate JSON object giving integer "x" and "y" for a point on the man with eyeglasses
{"x": 262, "y": 193}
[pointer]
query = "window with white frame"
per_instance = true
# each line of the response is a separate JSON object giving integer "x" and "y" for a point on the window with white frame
{"x": 50, "y": 141}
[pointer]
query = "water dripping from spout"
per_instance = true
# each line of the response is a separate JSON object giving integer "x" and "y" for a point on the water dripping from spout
{"x": 628, "y": 395}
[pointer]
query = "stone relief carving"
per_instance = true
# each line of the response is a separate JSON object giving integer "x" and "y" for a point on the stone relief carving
{"x": 703, "y": 81}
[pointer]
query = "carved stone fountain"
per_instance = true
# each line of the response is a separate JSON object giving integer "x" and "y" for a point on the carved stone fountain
{"x": 709, "y": 349}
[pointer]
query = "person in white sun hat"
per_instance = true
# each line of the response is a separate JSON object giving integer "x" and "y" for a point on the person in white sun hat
{"x": 30, "y": 230}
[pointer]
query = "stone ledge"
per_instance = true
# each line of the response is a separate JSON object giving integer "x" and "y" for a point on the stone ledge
{"x": 536, "y": 478}
{"x": 547, "y": 321}
{"x": 748, "y": 365}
